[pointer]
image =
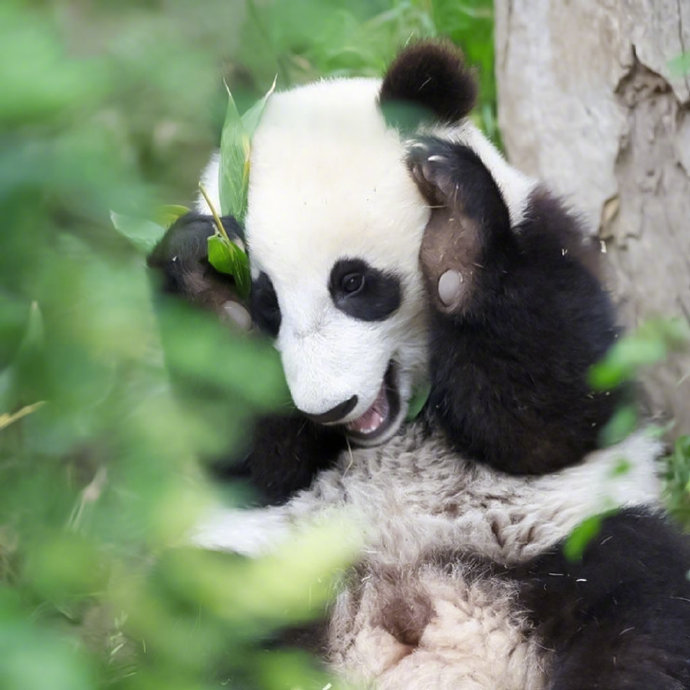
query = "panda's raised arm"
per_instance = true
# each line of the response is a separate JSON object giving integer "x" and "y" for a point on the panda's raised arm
{"x": 517, "y": 318}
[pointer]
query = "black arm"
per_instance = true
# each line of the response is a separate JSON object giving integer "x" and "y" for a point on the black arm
{"x": 517, "y": 318}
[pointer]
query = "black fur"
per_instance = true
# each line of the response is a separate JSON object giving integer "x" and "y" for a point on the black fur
{"x": 509, "y": 363}
{"x": 263, "y": 305}
{"x": 429, "y": 79}
{"x": 619, "y": 617}
{"x": 181, "y": 259}
{"x": 377, "y": 295}
{"x": 284, "y": 454}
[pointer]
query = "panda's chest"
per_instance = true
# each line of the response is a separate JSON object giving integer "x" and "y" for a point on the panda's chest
{"x": 428, "y": 606}
{"x": 415, "y": 495}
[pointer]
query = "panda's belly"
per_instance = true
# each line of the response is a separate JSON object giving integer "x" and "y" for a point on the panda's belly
{"x": 434, "y": 625}
{"x": 429, "y": 605}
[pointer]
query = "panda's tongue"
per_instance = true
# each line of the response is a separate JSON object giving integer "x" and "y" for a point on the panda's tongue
{"x": 374, "y": 417}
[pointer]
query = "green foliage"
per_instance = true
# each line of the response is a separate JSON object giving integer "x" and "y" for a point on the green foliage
{"x": 100, "y": 481}
{"x": 235, "y": 149}
{"x": 300, "y": 40}
{"x": 225, "y": 256}
{"x": 143, "y": 234}
{"x": 680, "y": 66}
{"x": 578, "y": 539}
{"x": 678, "y": 480}
{"x": 648, "y": 345}
{"x": 114, "y": 107}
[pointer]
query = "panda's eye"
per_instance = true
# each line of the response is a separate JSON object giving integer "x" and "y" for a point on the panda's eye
{"x": 352, "y": 282}
{"x": 263, "y": 305}
{"x": 362, "y": 291}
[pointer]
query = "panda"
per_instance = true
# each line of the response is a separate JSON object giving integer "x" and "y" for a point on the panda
{"x": 391, "y": 244}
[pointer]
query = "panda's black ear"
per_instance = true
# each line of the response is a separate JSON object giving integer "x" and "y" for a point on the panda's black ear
{"x": 427, "y": 81}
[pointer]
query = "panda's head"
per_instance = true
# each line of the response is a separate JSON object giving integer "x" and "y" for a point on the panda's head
{"x": 334, "y": 227}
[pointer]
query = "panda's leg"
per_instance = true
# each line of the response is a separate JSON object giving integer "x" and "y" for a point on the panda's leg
{"x": 619, "y": 617}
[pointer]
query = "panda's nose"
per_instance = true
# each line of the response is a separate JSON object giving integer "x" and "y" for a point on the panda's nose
{"x": 335, "y": 413}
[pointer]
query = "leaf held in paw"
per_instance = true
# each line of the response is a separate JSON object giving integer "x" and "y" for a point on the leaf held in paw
{"x": 228, "y": 258}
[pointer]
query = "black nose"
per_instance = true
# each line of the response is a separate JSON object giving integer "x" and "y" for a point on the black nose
{"x": 335, "y": 413}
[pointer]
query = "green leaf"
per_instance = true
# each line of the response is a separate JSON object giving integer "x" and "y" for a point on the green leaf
{"x": 251, "y": 119}
{"x": 235, "y": 149}
{"x": 578, "y": 539}
{"x": 168, "y": 214}
{"x": 620, "y": 426}
{"x": 622, "y": 468}
{"x": 34, "y": 336}
{"x": 228, "y": 258}
{"x": 419, "y": 397}
{"x": 143, "y": 234}
{"x": 625, "y": 357}
{"x": 648, "y": 345}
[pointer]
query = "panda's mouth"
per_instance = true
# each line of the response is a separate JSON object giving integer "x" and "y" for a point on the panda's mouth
{"x": 372, "y": 426}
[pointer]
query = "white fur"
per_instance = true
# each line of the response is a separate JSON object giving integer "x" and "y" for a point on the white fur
{"x": 413, "y": 498}
{"x": 329, "y": 181}
{"x": 413, "y": 494}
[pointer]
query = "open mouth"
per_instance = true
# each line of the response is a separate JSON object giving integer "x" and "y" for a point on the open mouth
{"x": 384, "y": 412}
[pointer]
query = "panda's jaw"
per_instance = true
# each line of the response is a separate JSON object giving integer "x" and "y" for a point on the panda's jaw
{"x": 383, "y": 418}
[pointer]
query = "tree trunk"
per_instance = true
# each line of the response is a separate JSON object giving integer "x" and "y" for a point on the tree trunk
{"x": 589, "y": 101}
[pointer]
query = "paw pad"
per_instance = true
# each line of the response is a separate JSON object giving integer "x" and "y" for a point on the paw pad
{"x": 450, "y": 288}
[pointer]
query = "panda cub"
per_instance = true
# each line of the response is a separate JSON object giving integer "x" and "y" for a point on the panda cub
{"x": 430, "y": 257}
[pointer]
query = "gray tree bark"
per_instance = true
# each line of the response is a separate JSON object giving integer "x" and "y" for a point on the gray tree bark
{"x": 589, "y": 102}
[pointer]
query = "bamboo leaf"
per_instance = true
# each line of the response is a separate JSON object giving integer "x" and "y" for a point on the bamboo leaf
{"x": 620, "y": 426}
{"x": 251, "y": 119}
{"x": 143, "y": 234}
{"x": 168, "y": 214}
{"x": 419, "y": 397}
{"x": 228, "y": 258}
{"x": 235, "y": 150}
{"x": 576, "y": 543}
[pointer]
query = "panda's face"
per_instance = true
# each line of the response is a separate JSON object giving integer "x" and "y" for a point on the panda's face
{"x": 333, "y": 229}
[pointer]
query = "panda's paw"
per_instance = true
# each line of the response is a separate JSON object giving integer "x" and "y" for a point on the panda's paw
{"x": 431, "y": 162}
{"x": 451, "y": 242}
{"x": 181, "y": 261}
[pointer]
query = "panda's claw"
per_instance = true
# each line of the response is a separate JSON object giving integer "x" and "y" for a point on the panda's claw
{"x": 433, "y": 173}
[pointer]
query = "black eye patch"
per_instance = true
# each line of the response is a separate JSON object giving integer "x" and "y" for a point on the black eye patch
{"x": 263, "y": 305}
{"x": 363, "y": 292}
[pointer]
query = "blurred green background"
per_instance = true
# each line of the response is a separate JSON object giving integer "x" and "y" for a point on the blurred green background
{"x": 116, "y": 106}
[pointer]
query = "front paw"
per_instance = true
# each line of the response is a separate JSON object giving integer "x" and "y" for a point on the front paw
{"x": 181, "y": 260}
{"x": 449, "y": 254}
{"x": 431, "y": 162}
{"x": 468, "y": 234}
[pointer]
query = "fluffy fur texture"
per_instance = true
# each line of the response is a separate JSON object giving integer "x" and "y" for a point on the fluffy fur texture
{"x": 448, "y": 591}
{"x": 470, "y": 273}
